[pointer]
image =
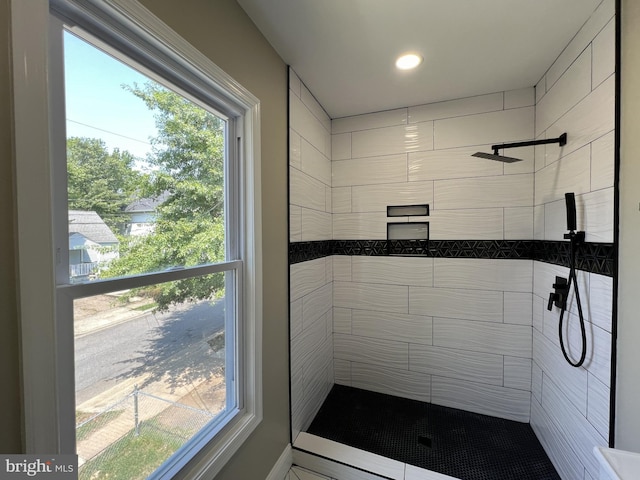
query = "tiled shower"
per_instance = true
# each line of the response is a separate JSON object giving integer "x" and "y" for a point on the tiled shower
{"x": 461, "y": 322}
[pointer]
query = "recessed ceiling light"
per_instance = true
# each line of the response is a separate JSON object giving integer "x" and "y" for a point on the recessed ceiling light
{"x": 408, "y": 61}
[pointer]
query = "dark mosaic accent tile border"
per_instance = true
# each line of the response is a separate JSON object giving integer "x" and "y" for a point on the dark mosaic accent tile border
{"x": 591, "y": 257}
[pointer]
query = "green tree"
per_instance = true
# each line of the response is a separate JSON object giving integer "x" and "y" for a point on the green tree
{"x": 187, "y": 167}
{"x": 98, "y": 180}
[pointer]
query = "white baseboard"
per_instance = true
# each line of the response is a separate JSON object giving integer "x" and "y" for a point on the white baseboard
{"x": 282, "y": 466}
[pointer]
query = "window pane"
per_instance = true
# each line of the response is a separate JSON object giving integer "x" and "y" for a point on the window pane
{"x": 149, "y": 378}
{"x": 145, "y": 171}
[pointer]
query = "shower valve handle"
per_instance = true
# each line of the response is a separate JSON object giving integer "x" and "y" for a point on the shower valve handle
{"x": 553, "y": 297}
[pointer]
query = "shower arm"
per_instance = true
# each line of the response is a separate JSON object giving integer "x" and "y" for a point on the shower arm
{"x": 561, "y": 140}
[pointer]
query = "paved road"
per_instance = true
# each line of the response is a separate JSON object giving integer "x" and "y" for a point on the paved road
{"x": 158, "y": 344}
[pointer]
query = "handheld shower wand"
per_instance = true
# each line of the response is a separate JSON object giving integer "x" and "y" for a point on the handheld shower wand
{"x": 576, "y": 239}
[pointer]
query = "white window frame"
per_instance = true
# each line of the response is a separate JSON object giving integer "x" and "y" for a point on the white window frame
{"x": 49, "y": 420}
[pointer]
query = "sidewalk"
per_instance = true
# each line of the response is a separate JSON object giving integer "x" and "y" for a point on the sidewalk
{"x": 104, "y": 311}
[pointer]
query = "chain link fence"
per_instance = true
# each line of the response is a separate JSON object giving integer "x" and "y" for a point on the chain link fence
{"x": 132, "y": 437}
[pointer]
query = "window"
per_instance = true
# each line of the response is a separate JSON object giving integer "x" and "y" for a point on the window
{"x": 139, "y": 241}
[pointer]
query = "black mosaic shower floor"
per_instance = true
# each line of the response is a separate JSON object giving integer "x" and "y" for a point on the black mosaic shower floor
{"x": 461, "y": 444}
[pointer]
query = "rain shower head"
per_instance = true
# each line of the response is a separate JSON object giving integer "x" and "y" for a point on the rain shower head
{"x": 495, "y": 156}
{"x": 561, "y": 140}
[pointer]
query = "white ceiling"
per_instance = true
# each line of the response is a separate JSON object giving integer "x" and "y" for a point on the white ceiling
{"x": 344, "y": 50}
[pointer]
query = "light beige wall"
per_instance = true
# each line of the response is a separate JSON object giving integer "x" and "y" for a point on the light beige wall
{"x": 10, "y": 410}
{"x": 628, "y": 382}
{"x": 221, "y": 30}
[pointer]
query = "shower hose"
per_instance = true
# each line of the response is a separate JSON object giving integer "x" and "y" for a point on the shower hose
{"x": 572, "y": 278}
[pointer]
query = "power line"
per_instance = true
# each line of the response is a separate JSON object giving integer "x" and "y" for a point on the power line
{"x": 108, "y": 131}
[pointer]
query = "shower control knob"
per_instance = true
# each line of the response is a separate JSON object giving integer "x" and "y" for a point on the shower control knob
{"x": 553, "y": 297}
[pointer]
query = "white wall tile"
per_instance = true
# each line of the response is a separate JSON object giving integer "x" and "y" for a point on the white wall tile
{"x": 341, "y": 146}
{"x": 460, "y": 364}
{"x": 483, "y": 274}
{"x": 569, "y": 174}
{"x": 451, "y": 163}
{"x": 307, "y": 125}
{"x": 328, "y": 196}
{"x": 600, "y": 301}
{"x": 306, "y": 345}
{"x": 518, "y": 308}
{"x": 573, "y": 380}
{"x": 604, "y": 58}
{"x": 342, "y": 268}
{"x": 393, "y": 270}
{"x": 315, "y": 164}
{"x": 315, "y": 225}
{"x": 456, "y": 303}
{"x": 538, "y": 222}
{"x": 541, "y": 89}
{"x": 598, "y": 361}
{"x": 484, "y": 399}
{"x": 523, "y": 97}
{"x": 360, "y": 226}
{"x": 573, "y": 86}
{"x": 504, "y": 126}
{"x": 457, "y": 108}
{"x": 373, "y": 351}
{"x": 578, "y": 431}
{"x": 367, "y": 171}
{"x": 518, "y": 223}
{"x": 342, "y": 372}
{"x": 397, "y": 382}
{"x": 295, "y": 223}
{"x": 597, "y": 214}
{"x": 415, "y": 137}
{"x": 294, "y": 149}
{"x": 589, "y": 120}
{"x": 484, "y": 192}
{"x": 517, "y": 373}
{"x": 296, "y": 318}
{"x": 603, "y": 162}
{"x": 485, "y": 337}
{"x": 466, "y": 224}
{"x": 368, "y": 296}
{"x": 555, "y": 443}
{"x": 590, "y": 29}
{"x": 294, "y": 82}
{"x": 316, "y": 304}
{"x": 306, "y": 191}
{"x": 315, "y": 108}
{"x": 341, "y": 199}
{"x": 536, "y": 382}
{"x": 305, "y": 277}
{"x": 371, "y": 120}
{"x": 342, "y": 320}
{"x": 376, "y": 198}
{"x": 391, "y": 326}
{"x": 539, "y": 307}
{"x": 598, "y": 406}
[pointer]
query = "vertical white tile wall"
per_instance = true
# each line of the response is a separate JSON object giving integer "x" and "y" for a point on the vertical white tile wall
{"x": 570, "y": 406}
{"x": 311, "y": 290}
{"x": 454, "y": 332}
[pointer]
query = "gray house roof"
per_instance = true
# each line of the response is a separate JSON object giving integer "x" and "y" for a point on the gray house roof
{"x": 91, "y": 226}
{"x": 147, "y": 204}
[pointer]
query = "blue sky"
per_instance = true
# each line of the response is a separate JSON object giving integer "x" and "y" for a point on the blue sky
{"x": 98, "y": 106}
